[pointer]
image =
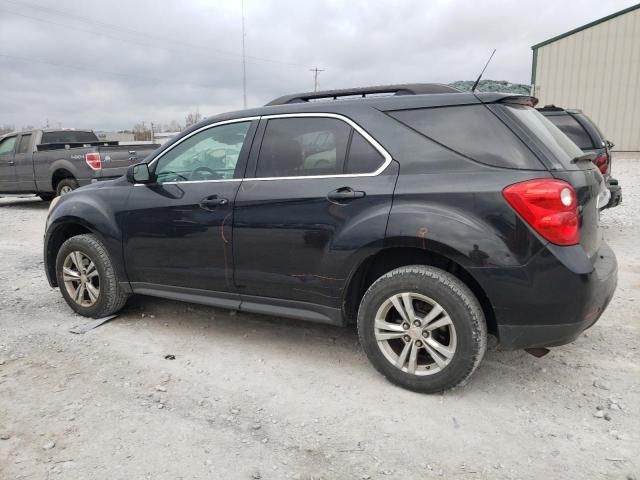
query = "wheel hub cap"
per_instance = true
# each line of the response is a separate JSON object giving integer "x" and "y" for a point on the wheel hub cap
{"x": 81, "y": 278}
{"x": 415, "y": 333}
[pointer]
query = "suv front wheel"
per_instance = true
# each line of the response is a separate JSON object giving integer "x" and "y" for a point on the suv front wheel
{"x": 87, "y": 279}
{"x": 422, "y": 328}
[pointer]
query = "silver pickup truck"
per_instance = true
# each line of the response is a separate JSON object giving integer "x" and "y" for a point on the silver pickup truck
{"x": 52, "y": 162}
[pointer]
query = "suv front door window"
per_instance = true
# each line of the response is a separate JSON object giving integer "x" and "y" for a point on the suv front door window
{"x": 179, "y": 228}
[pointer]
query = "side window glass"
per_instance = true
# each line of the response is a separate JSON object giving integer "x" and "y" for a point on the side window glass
{"x": 23, "y": 146}
{"x": 473, "y": 131}
{"x": 209, "y": 155}
{"x": 6, "y": 146}
{"x": 363, "y": 158}
{"x": 294, "y": 147}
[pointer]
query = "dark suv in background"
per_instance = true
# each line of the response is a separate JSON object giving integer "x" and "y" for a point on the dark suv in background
{"x": 588, "y": 137}
{"x": 429, "y": 217}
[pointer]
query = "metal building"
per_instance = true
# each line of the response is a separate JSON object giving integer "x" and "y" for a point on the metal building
{"x": 595, "y": 68}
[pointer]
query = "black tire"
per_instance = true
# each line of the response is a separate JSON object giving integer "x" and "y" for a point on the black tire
{"x": 47, "y": 197}
{"x": 64, "y": 185}
{"x": 459, "y": 303}
{"x": 111, "y": 297}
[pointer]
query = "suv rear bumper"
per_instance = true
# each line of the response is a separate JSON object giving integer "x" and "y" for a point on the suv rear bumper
{"x": 546, "y": 303}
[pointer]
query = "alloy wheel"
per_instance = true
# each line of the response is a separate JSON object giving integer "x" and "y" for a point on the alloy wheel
{"x": 81, "y": 278}
{"x": 415, "y": 334}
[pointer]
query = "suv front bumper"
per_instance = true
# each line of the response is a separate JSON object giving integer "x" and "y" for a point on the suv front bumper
{"x": 546, "y": 303}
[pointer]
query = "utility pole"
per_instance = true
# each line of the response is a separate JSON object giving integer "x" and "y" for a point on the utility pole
{"x": 315, "y": 71}
{"x": 244, "y": 64}
{"x": 152, "y": 134}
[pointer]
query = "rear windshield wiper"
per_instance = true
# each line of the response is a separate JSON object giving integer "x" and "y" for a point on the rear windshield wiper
{"x": 586, "y": 156}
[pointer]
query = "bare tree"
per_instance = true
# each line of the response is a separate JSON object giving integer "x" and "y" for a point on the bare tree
{"x": 192, "y": 118}
{"x": 174, "y": 126}
{"x": 141, "y": 132}
{"x": 6, "y": 129}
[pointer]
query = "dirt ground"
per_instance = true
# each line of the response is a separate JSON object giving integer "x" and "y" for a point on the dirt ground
{"x": 255, "y": 397}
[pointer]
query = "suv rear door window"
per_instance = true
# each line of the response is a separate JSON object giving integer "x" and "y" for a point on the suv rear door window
{"x": 572, "y": 129}
{"x": 294, "y": 147}
{"x": 473, "y": 131}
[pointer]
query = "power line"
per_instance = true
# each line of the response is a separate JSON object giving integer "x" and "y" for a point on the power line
{"x": 130, "y": 31}
{"x": 94, "y": 69}
{"x": 315, "y": 71}
{"x": 244, "y": 63}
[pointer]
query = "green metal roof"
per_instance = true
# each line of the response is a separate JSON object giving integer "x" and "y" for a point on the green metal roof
{"x": 584, "y": 27}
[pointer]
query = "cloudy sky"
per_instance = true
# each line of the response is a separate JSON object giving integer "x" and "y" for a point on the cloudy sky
{"x": 110, "y": 64}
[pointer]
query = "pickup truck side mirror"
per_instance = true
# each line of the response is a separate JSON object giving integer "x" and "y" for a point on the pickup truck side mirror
{"x": 610, "y": 144}
{"x": 139, "y": 173}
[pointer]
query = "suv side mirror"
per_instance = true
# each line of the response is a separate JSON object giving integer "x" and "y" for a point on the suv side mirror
{"x": 139, "y": 173}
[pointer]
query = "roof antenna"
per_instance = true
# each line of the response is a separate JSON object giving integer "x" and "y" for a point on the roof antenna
{"x": 473, "y": 89}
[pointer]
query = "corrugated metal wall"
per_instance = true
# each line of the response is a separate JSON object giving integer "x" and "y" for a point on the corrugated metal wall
{"x": 598, "y": 71}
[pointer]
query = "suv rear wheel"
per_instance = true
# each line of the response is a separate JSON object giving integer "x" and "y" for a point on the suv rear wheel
{"x": 422, "y": 328}
{"x": 86, "y": 277}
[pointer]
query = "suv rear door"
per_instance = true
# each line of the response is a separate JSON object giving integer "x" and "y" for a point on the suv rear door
{"x": 315, "y": 201}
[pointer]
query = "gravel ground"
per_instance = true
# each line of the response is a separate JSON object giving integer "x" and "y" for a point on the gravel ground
{"x": 256, "y": 397}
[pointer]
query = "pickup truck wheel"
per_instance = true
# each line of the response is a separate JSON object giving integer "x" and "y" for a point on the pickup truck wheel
{"x": 87, "y": 279}
{"x": 66, "y": 185}
{"x": 422, "y": 328}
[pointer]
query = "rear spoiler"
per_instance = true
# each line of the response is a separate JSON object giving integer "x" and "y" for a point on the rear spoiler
{"x": 67, "y": 145}
{"x": 520, "y": 100}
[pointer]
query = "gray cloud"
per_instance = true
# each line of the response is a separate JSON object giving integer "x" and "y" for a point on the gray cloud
{"x": 108, "y": 65}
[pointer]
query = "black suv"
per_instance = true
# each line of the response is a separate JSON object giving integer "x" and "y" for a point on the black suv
{"x": 588, "y": 137}
{"x": 429, "y": 217}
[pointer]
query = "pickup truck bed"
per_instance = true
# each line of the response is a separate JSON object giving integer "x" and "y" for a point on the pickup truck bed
{"x": 54, "y": 162}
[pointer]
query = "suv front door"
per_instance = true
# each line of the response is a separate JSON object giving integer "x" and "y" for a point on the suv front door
{"x": 178, "y": 229}
{"x": 306, "y": 215}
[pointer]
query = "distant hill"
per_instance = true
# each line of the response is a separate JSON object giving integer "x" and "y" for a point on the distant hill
{"x": 493, "y": 86}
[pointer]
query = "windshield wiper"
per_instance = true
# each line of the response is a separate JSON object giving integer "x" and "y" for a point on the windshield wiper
{"x": 586, "y": 156}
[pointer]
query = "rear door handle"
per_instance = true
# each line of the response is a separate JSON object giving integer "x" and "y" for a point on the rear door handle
{"x": 209, "y": 203}
{"x": 345, "y": 193}
{"x": 11, "y": 162}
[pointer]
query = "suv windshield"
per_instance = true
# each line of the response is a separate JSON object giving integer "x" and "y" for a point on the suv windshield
{"x": 69, "y": 136}
{"x": 545, "y": 133}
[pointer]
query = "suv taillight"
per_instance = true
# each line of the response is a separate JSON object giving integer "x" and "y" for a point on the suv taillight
{"x": 602, "y": 162}
{"x": 549, "y": 206}
{"x": 93, "y": 160}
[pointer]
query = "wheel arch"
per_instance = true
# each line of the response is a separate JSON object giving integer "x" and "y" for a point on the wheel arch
{"x": 390, "y": 258}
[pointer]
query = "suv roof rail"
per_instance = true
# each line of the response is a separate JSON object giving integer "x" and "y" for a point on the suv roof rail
{"x": 401, "y": 89}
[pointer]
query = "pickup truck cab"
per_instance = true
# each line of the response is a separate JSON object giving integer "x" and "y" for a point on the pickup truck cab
{"x": 53, "y": 162}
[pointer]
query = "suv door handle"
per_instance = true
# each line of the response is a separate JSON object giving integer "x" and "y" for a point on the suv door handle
{"x": 345, "y": 193}
{"x": 209, "y": 203}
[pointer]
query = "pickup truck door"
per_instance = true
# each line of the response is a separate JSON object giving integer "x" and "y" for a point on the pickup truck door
{"x": 23, "y": 159}
{"x": 7, "y": 165}
{"x": 178, "y": 230}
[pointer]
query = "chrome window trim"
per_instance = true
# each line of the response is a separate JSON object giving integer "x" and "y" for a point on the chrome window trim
{"x": 202, "y": 129}
{"x": 372, "y": 141}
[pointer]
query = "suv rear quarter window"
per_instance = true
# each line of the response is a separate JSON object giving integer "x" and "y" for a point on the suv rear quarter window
{"x": 473, "y": 131}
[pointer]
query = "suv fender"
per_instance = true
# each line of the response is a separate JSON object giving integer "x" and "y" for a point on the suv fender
{"x": 84, "y": 214}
